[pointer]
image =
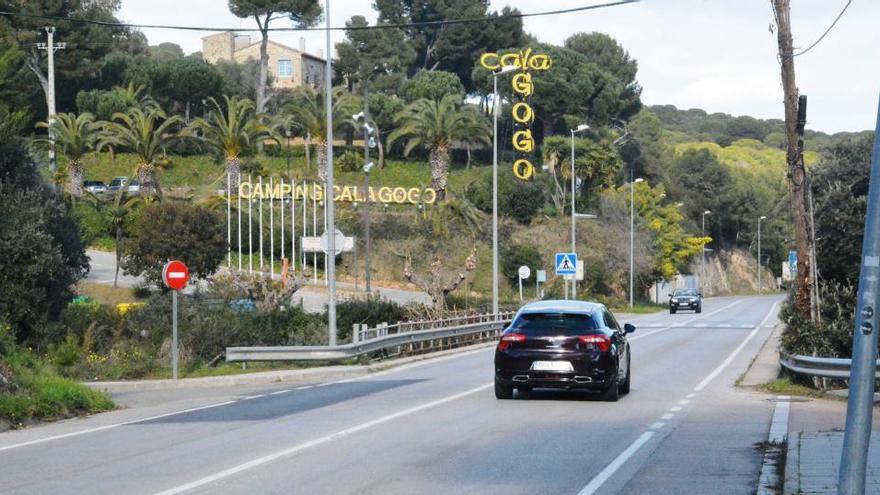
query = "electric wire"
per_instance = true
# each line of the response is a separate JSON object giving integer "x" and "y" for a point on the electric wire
{"x": 802, "y": 52}
{"x": 335, "y": 28}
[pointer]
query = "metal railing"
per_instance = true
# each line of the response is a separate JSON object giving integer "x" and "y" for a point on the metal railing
{"x": 390, "y": 340}
{"x": 820, "y": 367}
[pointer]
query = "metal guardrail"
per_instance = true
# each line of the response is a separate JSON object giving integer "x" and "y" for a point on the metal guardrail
{"x": 402, "y": 335}
{"x": 820, "y": 367}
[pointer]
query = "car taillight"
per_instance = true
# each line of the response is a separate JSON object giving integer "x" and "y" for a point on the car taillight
{"x": 508, "y": 339}
{"x": 601, "y": 342}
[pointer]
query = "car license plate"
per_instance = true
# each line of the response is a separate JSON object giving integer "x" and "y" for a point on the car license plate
{"x": 552, "y": 366}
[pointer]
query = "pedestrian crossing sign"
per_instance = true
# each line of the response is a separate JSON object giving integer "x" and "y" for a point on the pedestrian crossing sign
{"x": 566, "y": 263}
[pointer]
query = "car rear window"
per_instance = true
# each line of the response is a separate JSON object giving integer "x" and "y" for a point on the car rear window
{"x": 538, "y": 324}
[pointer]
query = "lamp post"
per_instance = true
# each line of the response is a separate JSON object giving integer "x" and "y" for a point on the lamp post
{"x": 703, "y": 251}
{"x": 369, "y": 142}
{"x": 579, "y": 128}
{"x": 632, "y": 223}
{"x": 330, "y": 208}
{"x": 496, "y": 98}
{"x": 762, "y": 217}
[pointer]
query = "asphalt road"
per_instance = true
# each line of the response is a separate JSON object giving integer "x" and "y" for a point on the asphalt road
{"x": 434, "y": 427}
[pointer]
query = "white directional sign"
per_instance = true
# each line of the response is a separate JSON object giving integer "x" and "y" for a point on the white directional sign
{"x": 342, "y": 243}
{"x": 524, "y": 272}
{"x": 311, "y": 244}
{"x": 542, "y": 276}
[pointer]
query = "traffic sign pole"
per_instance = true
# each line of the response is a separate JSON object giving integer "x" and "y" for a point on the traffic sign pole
{"x": 174, "y": 353}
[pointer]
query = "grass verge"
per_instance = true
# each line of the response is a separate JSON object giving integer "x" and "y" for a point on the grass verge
{"x": 784, "y": 386}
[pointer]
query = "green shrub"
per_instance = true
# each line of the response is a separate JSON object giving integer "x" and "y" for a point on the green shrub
{"x": 370, "y": 311}
{"x": 516, "y": 255}
{"x": 830, "y": 338}
{"x": 351, "y": 161}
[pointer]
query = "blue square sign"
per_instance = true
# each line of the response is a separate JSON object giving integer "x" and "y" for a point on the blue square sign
{"x": 566, "y": 263}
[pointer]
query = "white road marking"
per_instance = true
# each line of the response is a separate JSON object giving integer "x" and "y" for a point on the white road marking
{"x": 667, "y": 416}
{"x": 304, "y": 387}
{"x": 279, "y": 392}
{"x": 680, "y": 325}
{"x": 779, "y": 424}
{"x": 724, "y": 325}
{"x": 657, "y": 425}
{"x": 322, "y": 440}
{"x": 251, "y": 397}
{"x": 612, "y": 468}
{"x": 675, "y": 408}
{"x": 717, "y": 371}
{"x": 690, "y": 395}
{"x": 684, "y": 402}
{"x": 114, "y": 425}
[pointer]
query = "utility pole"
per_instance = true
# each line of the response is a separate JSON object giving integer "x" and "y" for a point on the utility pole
{"x": 50, "y": 48}
{"x": 795, "y": 119}
{"x": 328, "y": 190}
{"x": 860, "y": 404}
{"x": 367, "y": 166}
{"x": 762, "y": 217}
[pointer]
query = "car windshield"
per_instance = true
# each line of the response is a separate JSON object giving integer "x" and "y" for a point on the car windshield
{"x": 540, "y": 324}
{"x": 685, "y": 292}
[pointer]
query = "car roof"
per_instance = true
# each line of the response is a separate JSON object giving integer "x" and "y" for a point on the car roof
{"x": 562, "y": 306}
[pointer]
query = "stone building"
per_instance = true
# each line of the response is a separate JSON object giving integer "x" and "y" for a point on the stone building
{"x": 289, "y": 67}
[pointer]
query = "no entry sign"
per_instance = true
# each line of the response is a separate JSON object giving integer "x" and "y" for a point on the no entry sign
{"x": 175, "y": 274}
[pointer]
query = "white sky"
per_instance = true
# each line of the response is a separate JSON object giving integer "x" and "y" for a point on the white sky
{"x": 718, "y": 55}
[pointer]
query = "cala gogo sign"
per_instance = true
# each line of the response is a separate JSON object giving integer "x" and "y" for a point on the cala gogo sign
{"x": 341, "y": 193}
{"x": 522, "y": 113}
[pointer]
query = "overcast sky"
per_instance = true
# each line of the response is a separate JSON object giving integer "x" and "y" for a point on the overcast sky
{"x": 718, "y": 55}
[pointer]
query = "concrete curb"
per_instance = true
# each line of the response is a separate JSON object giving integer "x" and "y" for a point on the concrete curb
{"x": 792, "y": 483}
{"x": 323, "y": 373}
{"x": 765, "y": 366}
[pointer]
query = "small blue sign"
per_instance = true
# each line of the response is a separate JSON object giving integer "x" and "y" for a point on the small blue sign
{"x": 566, "y": 263}
{"x": 792, "y": 261}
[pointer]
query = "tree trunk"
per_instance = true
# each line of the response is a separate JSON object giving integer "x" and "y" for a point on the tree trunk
{"x": 186, "y": 114}
{"x": 264, "y": 68}
{"x": 76, "y": 175}
{"x": 233, "y": 171}
{"x": 380, "y": 147}
{"x": 308, "y": 146}
{"x": 322, "y": 160}
{"x": 794, "y": 151}
{"x": 439, "y": 160}
{"x": 468, "y": 148}
{"x": 147, "y": 179}
{"x": 118, "y": 254}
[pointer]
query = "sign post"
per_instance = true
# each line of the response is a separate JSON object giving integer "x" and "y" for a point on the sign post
{"x": 540, "y": 278}
{"x": 524, "y": 273}
{"x": 175, "y": 275}
{"x": 566, "y": 264}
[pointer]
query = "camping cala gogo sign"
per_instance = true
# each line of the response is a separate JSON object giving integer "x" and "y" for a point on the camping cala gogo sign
{"x": 260, "y": 190}
{"x": 523, "y": 115}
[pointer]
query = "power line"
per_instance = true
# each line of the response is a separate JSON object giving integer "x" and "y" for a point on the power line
{"x": 337, "y": 28}
{"x": 826, "y": 31}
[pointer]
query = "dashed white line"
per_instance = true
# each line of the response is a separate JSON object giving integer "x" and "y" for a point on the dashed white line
{"x": 252, "y": 397}
{"x": 279, "y": 392}
{"x": 690, "y": 395}
{"x": 612, "y": 468}
{"x": 682, "y": 325}
{"x": 684, "y": 402}
{"x": 657, "y": 425}
{"x": 319, "y": 441}
{"x": 667, "y": 416}
{"x": 675, "y": 409}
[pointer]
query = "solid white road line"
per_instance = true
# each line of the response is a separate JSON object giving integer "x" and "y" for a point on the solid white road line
{"x": 612, "y": 468}
{"x": 682, "y": 324}
{"x": 779, "y": 424}
{"x": 717, "y": 371}
{"x": 114, "y": 425}
{"x": 318, "y": 441}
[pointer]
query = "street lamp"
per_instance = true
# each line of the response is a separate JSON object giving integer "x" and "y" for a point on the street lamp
{"x": 503, "y": 70}
{"x": 632, "y": 222}
{"x": 762, "y": 217}
{"x": 369, "y": 142}
{"x": 579, "y": 128}
{"x": 330, "y": 210}
{"x": 703, "y": 252}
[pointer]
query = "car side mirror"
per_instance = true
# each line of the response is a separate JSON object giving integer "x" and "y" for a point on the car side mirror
{"x": 629, "y": 328}
{"x": 700, "y": 294}
{"x": 670, "y": 295}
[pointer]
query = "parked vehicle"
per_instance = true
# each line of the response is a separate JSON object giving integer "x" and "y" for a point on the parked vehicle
{"x": 564, "y": 344}
{"x": 685, "y": 299}
{"x": 95, "y": 186}
{"x": 117, "y": 183}
{"x": 134, "y": 186}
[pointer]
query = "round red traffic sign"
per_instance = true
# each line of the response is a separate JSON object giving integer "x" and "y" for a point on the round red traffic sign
{"x": 175, "y": 274}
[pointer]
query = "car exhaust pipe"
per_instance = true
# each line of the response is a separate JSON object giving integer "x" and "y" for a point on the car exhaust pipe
{"x": 583, "y": 379}
{"x": 521, "y": 378}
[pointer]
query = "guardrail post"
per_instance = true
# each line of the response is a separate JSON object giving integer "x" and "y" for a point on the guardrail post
{"x": 355, "y": 330}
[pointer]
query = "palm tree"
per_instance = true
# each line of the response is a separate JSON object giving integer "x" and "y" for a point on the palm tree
{"x": 232, "y": 132}
{"x": 75, "y": 136}
{"x": 309, "y": 111}
{"x": 438, "y": 126}
{"x": 144, "y": 132}
{"x": 117, "y": 216}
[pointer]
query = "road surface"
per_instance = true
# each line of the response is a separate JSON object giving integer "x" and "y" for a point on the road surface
{"x": 434, "y": 427}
